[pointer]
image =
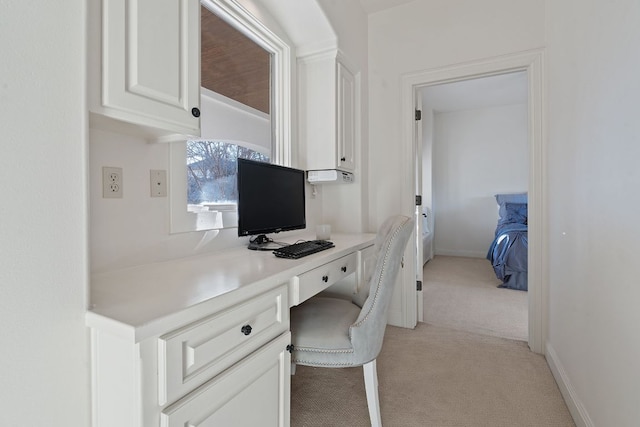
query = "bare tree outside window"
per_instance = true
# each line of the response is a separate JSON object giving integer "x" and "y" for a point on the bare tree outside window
{"x": 212, "y": 168}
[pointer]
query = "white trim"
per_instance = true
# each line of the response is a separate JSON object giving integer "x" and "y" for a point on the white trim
{"x": 532, "y": 63}
{"x": 576, "y": 408}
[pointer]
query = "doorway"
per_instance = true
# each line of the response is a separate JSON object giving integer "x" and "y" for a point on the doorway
{"x": 474, "y": 145}
{"x": 531, "y": 64}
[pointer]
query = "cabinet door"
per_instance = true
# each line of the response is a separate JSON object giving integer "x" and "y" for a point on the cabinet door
{"x": 254, "y": 392}
{"x": 150, "y": 63}
{"x": 346, "y": 120}
{"x": 327, "y": 112}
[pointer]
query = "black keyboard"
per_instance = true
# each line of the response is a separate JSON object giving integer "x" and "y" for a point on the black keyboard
{"x": 300, "y": 249}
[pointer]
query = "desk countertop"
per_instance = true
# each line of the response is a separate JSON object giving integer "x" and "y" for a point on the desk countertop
{"x": 142, "y": 301}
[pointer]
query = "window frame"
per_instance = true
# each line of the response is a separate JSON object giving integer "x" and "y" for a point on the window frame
{"x": 181, "y": 220}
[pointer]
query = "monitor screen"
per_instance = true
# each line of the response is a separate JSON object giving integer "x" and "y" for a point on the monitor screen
{"x": 270, "y": 198}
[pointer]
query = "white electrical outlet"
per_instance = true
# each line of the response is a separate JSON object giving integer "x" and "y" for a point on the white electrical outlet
{"x": 112, "y": 182}
{"x": 158, "y": 180}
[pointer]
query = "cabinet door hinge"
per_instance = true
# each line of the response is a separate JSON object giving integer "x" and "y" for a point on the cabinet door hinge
{"x": 418, "y": 200}
{"x": 419, "y": 285}
{"x": 418, "y": 114}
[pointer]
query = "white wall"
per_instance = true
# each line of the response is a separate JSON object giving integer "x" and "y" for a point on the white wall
{"x": 135, "y": 229}
{"x": 425, "y": 35}
{"x": 44, "y": 370}
{"x": 594, "y": 238}
{"x": 476, "y": 154}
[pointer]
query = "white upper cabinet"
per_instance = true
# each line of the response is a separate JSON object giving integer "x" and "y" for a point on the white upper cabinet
{"x": 327, "y": 90}
{"x": 346, "y": 118}
{"x": 144, "y": 61}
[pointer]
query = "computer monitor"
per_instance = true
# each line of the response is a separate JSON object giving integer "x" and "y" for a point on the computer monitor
{"x": 270, "y": 200}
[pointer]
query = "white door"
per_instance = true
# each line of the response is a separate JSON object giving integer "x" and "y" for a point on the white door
{"x": 418, "y": 210}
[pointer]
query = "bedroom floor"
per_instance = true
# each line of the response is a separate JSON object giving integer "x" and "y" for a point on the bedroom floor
{"x": 462, "y": 293}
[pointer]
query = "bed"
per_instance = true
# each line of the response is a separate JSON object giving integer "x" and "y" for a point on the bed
{"x": 427, "y": 236}
{"x": 508, "y": 251}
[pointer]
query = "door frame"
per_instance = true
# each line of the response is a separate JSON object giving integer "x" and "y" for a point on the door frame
{"x": 532, "y": 62}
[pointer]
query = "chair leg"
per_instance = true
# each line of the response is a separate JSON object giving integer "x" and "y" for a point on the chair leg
{"x": 371, "y": 387}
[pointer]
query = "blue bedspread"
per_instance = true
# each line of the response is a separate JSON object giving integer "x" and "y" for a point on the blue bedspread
{"x": 508, "y": 255}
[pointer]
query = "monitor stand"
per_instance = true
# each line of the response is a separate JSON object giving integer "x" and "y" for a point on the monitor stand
{"x": 262, "y": 243}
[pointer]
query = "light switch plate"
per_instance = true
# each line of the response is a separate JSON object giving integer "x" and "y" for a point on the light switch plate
{"x": 158, "y": 180}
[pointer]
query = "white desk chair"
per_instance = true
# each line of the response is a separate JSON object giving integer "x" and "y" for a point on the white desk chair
{"x": 337, "y": 333}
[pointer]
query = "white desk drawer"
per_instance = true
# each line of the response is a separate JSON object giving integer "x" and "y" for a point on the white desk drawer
{"x": 308, "y": 284}
{"x": 192, "y": 355}
{"x": 253, "y": 392}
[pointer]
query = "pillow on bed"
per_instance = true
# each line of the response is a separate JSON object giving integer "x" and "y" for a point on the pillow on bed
{"x": 516, "y": 213}
{"x": 509, "y": 198}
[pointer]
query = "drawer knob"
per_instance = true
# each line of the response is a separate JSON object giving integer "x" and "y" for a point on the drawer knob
{"x": 325, "y": 279}
{"x": 246, "y": 329}
{"x": 344, "y": 269}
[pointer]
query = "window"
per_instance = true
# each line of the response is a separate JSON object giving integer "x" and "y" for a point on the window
{"x": 231, "y": 125}
{"x": 211, "y": 173}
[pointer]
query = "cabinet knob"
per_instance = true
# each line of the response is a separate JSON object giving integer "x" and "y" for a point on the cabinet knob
{"x": 325, "y": 279}
{"x": 195, "y": 111}
{"x": 343, "y": 159}
{"x": 344, "y": 269}
{"x": 246, "y": 329}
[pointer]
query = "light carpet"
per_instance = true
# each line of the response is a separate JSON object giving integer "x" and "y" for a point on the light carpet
{"x": 462, "y": 293}
{"x": 439, "y": 377}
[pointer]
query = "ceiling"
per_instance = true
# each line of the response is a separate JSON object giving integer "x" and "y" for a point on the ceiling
{"x": 493, "y": 91}
{"x": 373, "y": 6}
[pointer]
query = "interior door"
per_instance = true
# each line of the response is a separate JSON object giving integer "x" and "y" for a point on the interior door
{"x": 418, "y": 210}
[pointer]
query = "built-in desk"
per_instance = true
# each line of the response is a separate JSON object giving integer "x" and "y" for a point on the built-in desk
{"x": 203, "y": 340}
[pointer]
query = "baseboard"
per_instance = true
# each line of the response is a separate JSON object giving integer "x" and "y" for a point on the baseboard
{"x": 466, "y": 254}
{"x": 576, "y": 408}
